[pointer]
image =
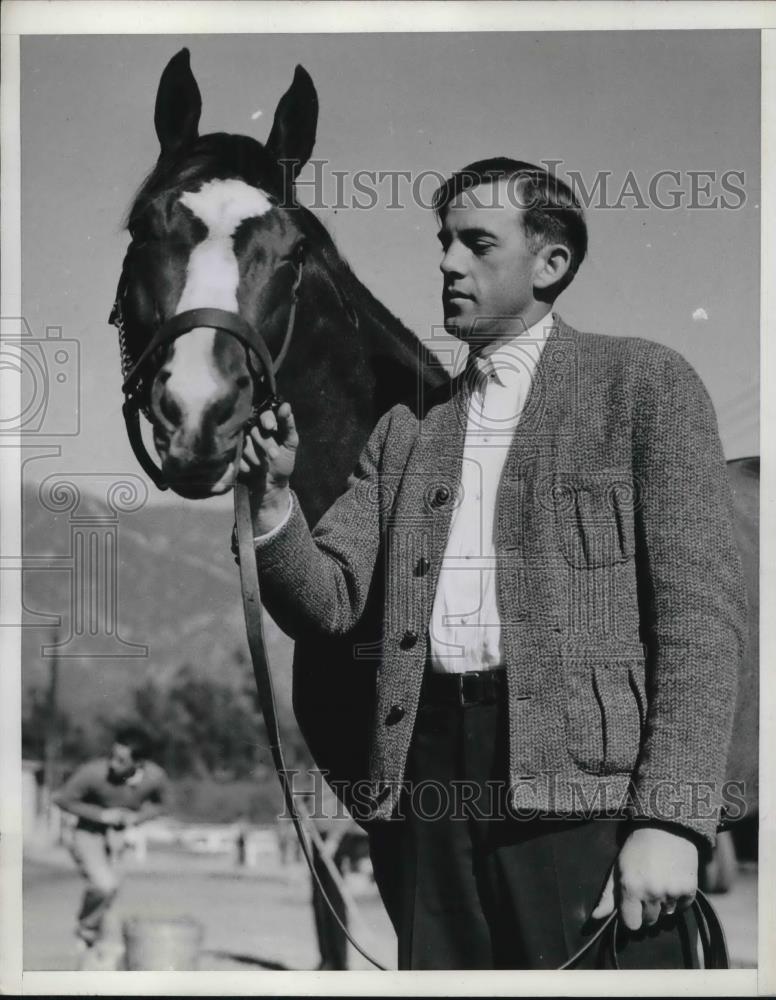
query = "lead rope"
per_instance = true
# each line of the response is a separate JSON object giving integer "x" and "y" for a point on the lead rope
{"x": 252, "y": 607}
{"x": 251, "y": 593}
{"x": 710, "y": 933}
{"x": 254, "y": 623}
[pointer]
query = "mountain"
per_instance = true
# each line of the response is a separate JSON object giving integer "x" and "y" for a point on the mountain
{"x": 167, "y": 573}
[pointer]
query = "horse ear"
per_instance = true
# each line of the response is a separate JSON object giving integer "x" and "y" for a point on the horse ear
{"x": 292, "y": 137}
{"x": 178, "y": 104}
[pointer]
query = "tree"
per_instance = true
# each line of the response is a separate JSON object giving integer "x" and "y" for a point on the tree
{"x": 202, "y": 727}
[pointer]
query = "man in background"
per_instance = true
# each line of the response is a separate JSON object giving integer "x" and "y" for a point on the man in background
{"x": 109, "y": 795}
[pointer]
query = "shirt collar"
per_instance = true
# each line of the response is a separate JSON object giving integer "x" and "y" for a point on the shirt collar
{"x": 525, "y": 347}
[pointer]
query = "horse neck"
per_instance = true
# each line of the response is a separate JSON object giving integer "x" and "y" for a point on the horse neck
{"x": 352, "y": 361}
{"x": 397, "y": 357}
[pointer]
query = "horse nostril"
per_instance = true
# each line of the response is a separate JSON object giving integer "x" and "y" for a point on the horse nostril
{"x": 169, "y": 408}
{"x": 222, "y": 410}
{"x": 243, "y": 381}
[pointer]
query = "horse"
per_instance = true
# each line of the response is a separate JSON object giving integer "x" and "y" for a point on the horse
{"x": 215, "y": 225}
{"x": 215, "y": 230}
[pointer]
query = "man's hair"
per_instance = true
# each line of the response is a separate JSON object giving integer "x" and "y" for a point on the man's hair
{"x": 550, "y": 210}
{"x": 136, "y": 739}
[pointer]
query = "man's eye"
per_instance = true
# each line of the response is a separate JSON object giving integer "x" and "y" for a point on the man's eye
{"x": 481, "y": 247}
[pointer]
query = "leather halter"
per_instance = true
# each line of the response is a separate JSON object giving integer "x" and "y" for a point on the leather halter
{"x": 136, "y": 383}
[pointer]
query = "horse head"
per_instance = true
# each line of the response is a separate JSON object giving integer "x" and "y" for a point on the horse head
{"x": 206, "y": 296}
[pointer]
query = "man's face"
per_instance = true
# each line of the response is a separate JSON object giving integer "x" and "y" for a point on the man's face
{"x": 487, "y": 264}
{"x": 122, "y": 763}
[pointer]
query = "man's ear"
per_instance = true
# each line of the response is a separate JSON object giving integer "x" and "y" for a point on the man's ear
{"x": 292, "y": 137}
{"x": 178, "y": 105}
{"x": 552, "y": 264}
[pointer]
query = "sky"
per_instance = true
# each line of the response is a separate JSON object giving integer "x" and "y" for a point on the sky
{"x": 628, "y": 105}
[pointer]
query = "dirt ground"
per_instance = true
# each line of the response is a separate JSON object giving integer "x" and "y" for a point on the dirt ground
{"x": 261, "y": 918}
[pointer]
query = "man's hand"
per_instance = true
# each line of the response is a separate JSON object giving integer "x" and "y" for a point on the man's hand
{"x": 268, "y": 459}
{"x": 655, "y": 872}
{"x": 269, "y": 452}
{"x": 114, "y": 817}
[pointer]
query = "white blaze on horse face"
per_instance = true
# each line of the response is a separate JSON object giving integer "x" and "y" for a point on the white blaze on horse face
{"x": 212, "y": 280}
{"x": 212, "y": 275}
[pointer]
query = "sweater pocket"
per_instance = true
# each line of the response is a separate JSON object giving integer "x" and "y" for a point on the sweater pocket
{"x": 594, "y": 517}
{"x": 605, "y": 713}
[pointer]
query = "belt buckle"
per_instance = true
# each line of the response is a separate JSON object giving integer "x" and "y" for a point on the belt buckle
{"x": 463, "y": 701}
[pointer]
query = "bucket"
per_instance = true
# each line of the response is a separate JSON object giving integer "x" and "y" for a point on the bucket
{"x": 162, "y": 945}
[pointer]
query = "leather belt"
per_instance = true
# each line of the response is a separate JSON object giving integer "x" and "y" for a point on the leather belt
{"x": 474, "y": 687}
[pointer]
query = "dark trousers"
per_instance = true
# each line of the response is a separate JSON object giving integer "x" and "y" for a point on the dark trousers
{"x": 466, "y": 889}
{"x": 97, "y": 863}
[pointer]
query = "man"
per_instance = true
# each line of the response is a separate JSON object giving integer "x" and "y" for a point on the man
{"x": 561, "y": 609}
{"x": 108, "y": 796}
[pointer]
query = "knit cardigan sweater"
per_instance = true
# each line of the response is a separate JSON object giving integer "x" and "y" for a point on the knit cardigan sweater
{"x": 619, "y": 584}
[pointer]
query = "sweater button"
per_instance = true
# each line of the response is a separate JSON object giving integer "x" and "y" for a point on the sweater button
{"x": 441, "y": 496}
{"x": 422, "y": 567}
{"x": 395, "y": 715}
{"x": 408, "y": 640}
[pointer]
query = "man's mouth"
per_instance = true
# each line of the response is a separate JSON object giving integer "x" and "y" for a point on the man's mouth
{"x": 454, "y": 299}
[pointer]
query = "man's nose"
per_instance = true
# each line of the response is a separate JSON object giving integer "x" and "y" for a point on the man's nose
{"x": 452, "y": 261}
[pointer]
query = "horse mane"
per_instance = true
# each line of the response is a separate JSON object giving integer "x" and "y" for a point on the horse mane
{"x": 392, "y": 339}
{"x": 223, "y": 155}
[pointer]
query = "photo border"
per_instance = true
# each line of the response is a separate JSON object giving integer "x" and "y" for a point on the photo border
{"x": 31, "y": 17}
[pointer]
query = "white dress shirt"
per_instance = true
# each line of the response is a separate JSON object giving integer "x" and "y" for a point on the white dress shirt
{"x": 465, "y": 629}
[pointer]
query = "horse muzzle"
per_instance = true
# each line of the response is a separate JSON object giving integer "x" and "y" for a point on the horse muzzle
{"x": 194, "y": 475}
{"x": 201, "y": 483}
{"x": 265, "y": 395}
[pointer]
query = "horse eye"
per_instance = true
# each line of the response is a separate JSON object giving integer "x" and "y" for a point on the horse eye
{"x": 139, "y": 239}
{"x": 297, "y": 253}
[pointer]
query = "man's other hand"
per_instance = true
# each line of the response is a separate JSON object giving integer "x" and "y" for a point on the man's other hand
{"x": 655, "y": 872}
{"x": 269, "y": 452}
{"x": 268, "y": 459}
{"x": 114, "y": 817}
